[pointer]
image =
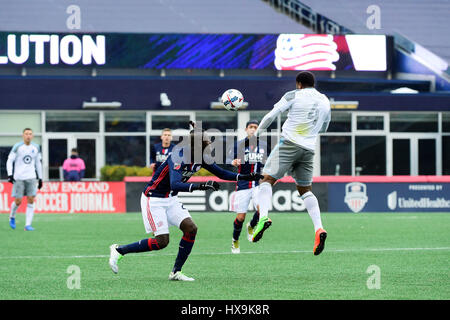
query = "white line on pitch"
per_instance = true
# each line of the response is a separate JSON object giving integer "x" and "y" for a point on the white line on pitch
{"x": 228, "y": 253}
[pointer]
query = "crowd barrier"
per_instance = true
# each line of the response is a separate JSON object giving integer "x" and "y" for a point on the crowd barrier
{"x": 335, "y": 194}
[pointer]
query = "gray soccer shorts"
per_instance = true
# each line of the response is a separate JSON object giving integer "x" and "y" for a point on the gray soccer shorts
{"x": 24, "y": 188}
{"x": 288, "y": 157}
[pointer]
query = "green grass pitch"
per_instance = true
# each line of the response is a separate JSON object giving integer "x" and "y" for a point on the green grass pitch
{"x": 412, "y": 251}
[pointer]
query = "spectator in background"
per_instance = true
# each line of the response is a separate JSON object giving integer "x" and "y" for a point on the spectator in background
{"x": 160, "y": 151}
{"x": 74, "y": 167}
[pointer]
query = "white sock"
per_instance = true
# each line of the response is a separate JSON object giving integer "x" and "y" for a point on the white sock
{"x": 264, "y": 199}
{"x": 29, "y": 214}
{"x": 312, "y": 205}
{"x": 13, "y": 210}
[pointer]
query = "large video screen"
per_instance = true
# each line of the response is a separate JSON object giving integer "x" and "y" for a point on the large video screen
{"x": 198, "y": 51}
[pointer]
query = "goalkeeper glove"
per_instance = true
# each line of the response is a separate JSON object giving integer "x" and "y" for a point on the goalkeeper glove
{"x": 11, "y": 179}
{"x": 250, "y": 177}
{"x": 39, "y": 184}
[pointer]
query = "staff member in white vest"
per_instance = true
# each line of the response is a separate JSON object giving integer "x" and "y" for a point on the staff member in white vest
{"x": 24, "y": 170}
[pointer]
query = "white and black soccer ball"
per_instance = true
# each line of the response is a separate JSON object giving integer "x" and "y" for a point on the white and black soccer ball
{"x": 232, "y": 99}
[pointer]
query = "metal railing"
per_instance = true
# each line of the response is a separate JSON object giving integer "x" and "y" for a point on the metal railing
{"x": 302, "y": 13}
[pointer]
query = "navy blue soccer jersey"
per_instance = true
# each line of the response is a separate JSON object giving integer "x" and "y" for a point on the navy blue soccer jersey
{"x": 171, "y": 178}
{"x": 253, "y": 157}
{"x": 159, "y": 154}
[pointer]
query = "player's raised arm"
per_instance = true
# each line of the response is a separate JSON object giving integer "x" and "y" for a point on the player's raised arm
{"x": 177, "y": 184}
{"x": 176, "y": 178}
{"x": 229, "y": 175}
{"x": 279, "y": 107}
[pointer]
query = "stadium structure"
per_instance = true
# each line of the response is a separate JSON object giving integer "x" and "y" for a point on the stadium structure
{"x": 108, "y": 81}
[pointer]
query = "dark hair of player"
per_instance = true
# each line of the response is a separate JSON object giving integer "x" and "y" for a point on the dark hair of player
{"x": 306, "y": 79}
{"x": 196, "y": 132}
{"x": 26, "y": 129}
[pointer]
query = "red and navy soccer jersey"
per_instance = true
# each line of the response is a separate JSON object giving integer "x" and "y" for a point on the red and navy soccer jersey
{"x": 171, "y": 178}
{"x": 159, "y": 154}
{"x": 253, "y": 156}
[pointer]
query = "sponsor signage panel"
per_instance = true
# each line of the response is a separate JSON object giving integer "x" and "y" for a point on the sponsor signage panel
{"x": 388, "y": 197}
{"x": 198, "y": 51}
{"x": 71, "y": 197}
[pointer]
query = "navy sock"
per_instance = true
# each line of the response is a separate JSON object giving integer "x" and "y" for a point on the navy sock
{"x": 140, "y": 246}
{"x": 255, "y": 219}
{"x": 237, "y": 227}
{"x": 186, "y": 244}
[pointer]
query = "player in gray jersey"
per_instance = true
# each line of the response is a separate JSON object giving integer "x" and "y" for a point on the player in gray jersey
{"x": 309, "y": 114}
{"x": 24, "y": 170}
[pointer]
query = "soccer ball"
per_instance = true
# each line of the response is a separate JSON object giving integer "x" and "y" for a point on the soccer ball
{"x": 232, "y": 99}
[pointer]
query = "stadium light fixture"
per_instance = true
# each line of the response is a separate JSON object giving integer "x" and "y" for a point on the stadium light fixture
{"x": 165, "y": 101}
{"x": 94, "y": 104}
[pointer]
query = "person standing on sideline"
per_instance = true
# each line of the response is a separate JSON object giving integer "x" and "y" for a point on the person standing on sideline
{"x": 160, "y": 151}
{"x": 24, "y": 170}
{"x": 74, "y": 167}
{"x": 309, "y": 114}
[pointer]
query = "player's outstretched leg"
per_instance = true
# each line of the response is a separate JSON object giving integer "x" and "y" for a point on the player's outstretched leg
{"x": 117, "y": 252}
{"x": 237, "y": 228}
{"x": 312, "y": 206}
{"x": 264, "y": 201}
{"x": 186, "y": 243}
{"x": 251, "y": 226}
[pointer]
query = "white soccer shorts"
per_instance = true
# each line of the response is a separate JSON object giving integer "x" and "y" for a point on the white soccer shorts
{"x": 240, "y": 200}
{"x": 161, "y": 213}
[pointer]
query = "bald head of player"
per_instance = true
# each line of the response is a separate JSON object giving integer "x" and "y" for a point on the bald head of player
{"x": 27, "y": 135}
{"x": 305, "y": 79}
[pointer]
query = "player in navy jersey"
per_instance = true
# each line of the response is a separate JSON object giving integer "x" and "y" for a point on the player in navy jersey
{"x": 160, "y": 205}
{"x": 160, "y": 151}
{"x": 248, "y": 156}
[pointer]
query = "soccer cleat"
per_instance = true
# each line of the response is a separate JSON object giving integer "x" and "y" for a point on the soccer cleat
{"x": 319, "y": 241}
{"x": 250, "y": 231}
{"x": 262, "y": 225}
{"x": 179, "y": 276}
{"x": 114, "y": 257}
{"x": 235, "y": 246}
{"x": 12, "y": 223}
{"x": 29, "y": 228}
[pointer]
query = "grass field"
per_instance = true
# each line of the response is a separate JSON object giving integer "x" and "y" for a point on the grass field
{"x": 411, "y": 250}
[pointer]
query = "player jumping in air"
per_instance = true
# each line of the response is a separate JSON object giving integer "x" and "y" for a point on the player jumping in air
{"x": 24, "y": 170}
{"x": 161, "y": 208}
{"x": 248, "y": 156}
{"x": 309, "y": 114}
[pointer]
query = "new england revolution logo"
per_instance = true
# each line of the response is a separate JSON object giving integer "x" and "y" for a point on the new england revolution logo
{"x": 356, "y": 196}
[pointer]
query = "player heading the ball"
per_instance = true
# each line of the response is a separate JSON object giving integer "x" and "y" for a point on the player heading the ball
{"x": 309, "y": 114}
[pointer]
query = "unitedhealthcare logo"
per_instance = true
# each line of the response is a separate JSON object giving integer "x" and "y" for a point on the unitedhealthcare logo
{"x": 410, "y": 203}
{"x": 392, "y": 200}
